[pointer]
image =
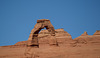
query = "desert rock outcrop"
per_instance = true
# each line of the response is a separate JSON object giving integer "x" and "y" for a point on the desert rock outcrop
{"x": 97, "y": 32}
{"x": 43, "y": 23}
{"x": 44, "y": 36}
{"x": 53, "y": 43}
{"x": 84, "y": 34}
{"x": 88, "y": 39}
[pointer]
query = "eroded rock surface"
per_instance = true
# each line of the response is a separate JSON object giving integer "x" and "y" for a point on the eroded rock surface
{"x": 89, "y": 39}
{"x": 84, "y": 34}
{"x": 84, "y": 46}
{"x": 43, "y": 23}
{"x": 97, "y": 32}
{"x": 44, "y": 37}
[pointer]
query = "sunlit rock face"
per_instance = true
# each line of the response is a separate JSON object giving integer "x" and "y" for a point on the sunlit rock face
{"x": 89, "y": 39}
{"x": 42, "y": 23}
{"x": 44, "y": 37}
{"x": 53, "y": 43}
{"x": 84, "y": 34}
{"x": 60, "y": 35}
{"x": 49, "y": 36}
{"x": 97, "y": 32}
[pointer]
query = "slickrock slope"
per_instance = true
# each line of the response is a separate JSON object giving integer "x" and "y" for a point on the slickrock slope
{"x": 84, "y": 51}
{"x": 51, "y": 43}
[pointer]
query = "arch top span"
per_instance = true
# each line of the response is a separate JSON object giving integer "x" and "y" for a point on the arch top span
{"x": 42, "y": 23}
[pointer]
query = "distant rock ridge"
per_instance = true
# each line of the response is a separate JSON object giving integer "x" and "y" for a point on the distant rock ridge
{"x": 88, "y": 39}
{"x": 97, "y": 32}
{"x": 84, "y": 34}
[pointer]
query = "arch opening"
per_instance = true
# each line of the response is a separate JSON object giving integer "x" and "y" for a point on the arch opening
{"x": 41, "y": 24}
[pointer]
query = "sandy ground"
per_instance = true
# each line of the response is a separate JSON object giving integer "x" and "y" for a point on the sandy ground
{"x": 84, "y": 51}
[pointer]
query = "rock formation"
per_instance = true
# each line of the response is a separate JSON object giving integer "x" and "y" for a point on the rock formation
{"x": 60, "y": 35}
{"x": 50, "y": 36}
{"x": 44, "y": 36}
{"x": 53, "y": 43}
{"x": 97, "y": 32}
{"x": 43, "y": 23}
{"x": 89, "y": 39}
{"x": 84, "y": 34}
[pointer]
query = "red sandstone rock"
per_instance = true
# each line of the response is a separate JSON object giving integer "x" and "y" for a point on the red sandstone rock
{"x": 44, "y": 36}
{"x": 84, "y": 46}
{"x": 49, "y": 36}
{"x": 88, "y": 39}
{"x": 43, "y": 23}
{"x": 84, "y": 34}
{"x": 60, "y": 35}
{"x": 97, "y": 32}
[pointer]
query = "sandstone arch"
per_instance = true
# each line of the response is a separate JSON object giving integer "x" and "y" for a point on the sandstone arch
{"x": 43, "y": 23}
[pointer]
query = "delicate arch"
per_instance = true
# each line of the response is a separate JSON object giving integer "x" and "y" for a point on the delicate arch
{"x": 44, "y": 23}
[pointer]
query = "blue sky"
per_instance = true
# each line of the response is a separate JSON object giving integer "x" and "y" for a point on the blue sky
{"x": 18, "y": 17}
